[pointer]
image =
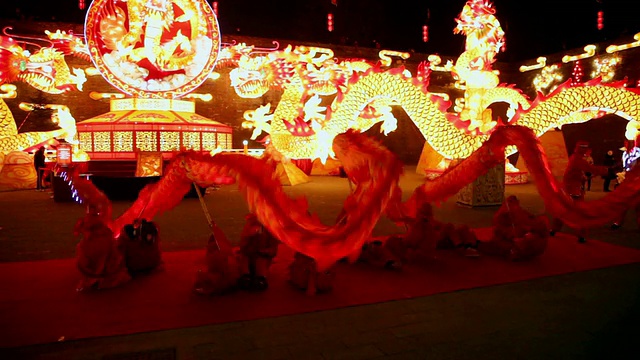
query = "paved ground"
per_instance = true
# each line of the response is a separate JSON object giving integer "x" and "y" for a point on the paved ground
{"x": 586, "y": 315}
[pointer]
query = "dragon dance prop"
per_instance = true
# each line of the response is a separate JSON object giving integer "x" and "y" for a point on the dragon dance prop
{"x": 376, "y": 173}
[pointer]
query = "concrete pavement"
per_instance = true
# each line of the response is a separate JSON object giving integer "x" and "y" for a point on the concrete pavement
{"x": 585, "y": 315}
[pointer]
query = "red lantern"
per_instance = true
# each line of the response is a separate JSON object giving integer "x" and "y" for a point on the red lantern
{"x": 425, "y": 33}
{"x": 330, "y": 22}
{"x": 600, "y": 20}
{"x": 214, "y": 5}
{"x": 81, "y": 4}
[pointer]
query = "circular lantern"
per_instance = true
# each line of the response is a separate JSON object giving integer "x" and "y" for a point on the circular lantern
{"x": 153, "y": 49}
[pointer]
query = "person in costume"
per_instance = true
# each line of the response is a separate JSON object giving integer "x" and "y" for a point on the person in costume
{"x": 140, "y": 244}
{"x": 221, "y": 274}
{"x": 304, "y": 275}
{"x": 258, "y": 247}
{"x": 378, "y": 252}
{"x": 98, "y": 258}
{"x": 426, "y": 234}
{"x": 573, "y": 182}
{"x": 517, "y": 234}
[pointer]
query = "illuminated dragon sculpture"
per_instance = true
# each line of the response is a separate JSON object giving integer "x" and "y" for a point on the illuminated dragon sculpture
{"x": 300, "y": 128}
{"x": 45, "y": 70}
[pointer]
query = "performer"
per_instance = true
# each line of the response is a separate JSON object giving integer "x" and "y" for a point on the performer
{"x": 98, "y": 257}
{"x": 222, "y": 273}
{"x": 258, "y": 247}
{"x": 304, "y": 275}
{"x": 573, "y": 182}
{"x": 426, "y": 234}
{"x": 518, "y": 234}
{"x": 377, "y": 253}
{"x": 140, "y": 244}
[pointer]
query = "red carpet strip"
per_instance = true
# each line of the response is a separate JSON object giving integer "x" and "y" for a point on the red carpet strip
{"x": 39, "y": 304}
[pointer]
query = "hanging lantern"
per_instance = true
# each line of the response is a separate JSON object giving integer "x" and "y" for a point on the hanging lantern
{"x": 330, "y": 22}
{"x": 425, "y": 33}
{"x": 81, "y": 4}
{"x": 214, "y": 5}
{"x": 600, "y": 20}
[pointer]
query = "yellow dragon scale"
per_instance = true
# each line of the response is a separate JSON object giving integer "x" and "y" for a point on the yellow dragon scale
{"x": 570, "y": 105}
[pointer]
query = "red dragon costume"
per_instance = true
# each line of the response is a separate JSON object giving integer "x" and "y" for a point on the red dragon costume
{"x": 573, "y": 182}
{"x": 518, "y": 234}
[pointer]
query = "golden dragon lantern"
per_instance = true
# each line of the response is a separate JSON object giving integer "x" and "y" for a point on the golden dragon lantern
{"x": 305, "y": 121}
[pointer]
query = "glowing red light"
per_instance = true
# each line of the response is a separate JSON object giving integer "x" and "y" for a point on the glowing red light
{"x": 330, "y": 22}
{"x": 81, "y": 4}
{"x": 600, "y": 20}
{"x": 214, "y": 5}
{"x": 425, "y": 33}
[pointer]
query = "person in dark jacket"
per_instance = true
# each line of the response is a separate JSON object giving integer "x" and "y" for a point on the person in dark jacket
{"x": 610, "y": 163}
{"x": 39, "y": 164}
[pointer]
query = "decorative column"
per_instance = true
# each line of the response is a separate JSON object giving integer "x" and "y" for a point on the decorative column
{"x": 486, "y": 190}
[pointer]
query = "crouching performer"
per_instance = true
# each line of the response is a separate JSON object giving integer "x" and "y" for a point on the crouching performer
{"x": 304, "y": 275}
{"x": 426, "y": 234}
{"x": 140, "y": 244}
{"x": 98, "y": 257}
{"x": 381, "y": 252}
{"x": 518, "y": 234}
{"x": 258, "y": 247}
{"x": 221, "y": 273}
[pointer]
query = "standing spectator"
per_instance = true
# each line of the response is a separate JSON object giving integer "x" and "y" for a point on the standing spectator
{"x": 38, "y": 163}
{"x": 630, "y": 155}
{"x": 610, "y": 163}
{"x": 588, "y": 175}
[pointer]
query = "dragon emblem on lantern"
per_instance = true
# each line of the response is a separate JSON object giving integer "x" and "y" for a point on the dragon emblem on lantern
{"x": 153, "y": 49}
{"x": 363, "y": 94}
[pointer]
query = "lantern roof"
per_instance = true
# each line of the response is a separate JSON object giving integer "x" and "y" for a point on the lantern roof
{"x": 152, "y": 111}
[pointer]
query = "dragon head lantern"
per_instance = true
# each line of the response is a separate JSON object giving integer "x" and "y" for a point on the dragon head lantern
{"x": 255, "y": 75}
{"x": 478, "y": 23}
{"x": 45, "y": 69}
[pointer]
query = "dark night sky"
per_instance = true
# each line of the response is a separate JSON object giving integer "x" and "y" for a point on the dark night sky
{"x": 533, "y": 28}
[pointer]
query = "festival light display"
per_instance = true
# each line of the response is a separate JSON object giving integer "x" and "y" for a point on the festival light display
{"x": 162, "y": 49}
{"x": 155, "y": 53}
{"x": 44, "y": 69}
{"x": 365, "y": 93}
{"x": 605, "y": 67}
{"x": 161, "y": 125}
{"x": 548, "y": 79}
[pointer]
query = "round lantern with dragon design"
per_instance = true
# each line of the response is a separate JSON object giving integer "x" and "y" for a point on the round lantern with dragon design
{"x": 154, "y": 51}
